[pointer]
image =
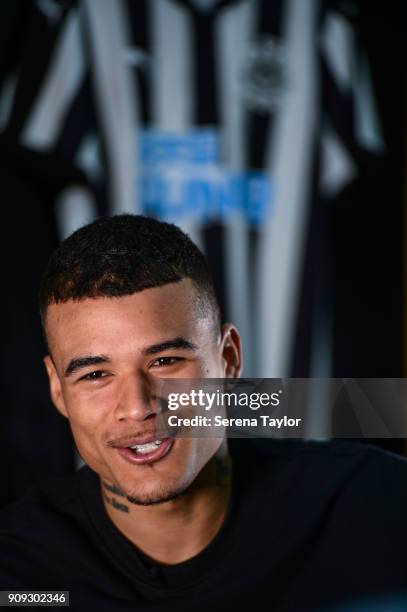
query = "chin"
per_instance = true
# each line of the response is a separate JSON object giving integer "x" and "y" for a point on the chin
{"x": 156, "y": 494}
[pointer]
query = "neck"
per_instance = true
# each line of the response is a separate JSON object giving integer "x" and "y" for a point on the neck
{"x": 179, "y": 529}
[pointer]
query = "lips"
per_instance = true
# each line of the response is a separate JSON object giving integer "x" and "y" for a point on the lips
{"x": 145, "y": 450}
{"x": 145, "y": 438}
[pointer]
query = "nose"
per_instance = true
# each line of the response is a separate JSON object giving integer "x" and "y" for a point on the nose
{"x": 136, "y": 401}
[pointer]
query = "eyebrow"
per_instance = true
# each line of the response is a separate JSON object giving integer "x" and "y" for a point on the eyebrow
{"x": 77, "y": 363}
{"x": 174, "y": 343}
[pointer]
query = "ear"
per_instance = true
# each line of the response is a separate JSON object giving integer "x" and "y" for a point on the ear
{"x": 231, "y": 348}
{"x": 55, "y": 386}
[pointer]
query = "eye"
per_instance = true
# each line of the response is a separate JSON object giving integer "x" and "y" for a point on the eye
{"x": 166, "y": 361}
{"x": 94, "y": 375}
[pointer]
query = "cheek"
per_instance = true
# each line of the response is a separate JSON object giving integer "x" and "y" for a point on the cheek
{"x": 210, "y": 366}
{"x": 87, "y": 427}
{"x": 88, "y": 410}
{"x": 215, "y": 369}
{"x": 201, "y": 450}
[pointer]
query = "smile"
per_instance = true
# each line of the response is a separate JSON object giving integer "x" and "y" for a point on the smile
{"x": 146, "y": 453}
{"x": 146, "y": 448}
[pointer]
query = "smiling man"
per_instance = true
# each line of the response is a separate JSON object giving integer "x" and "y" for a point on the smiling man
{"x": 116, "y": 322}
{"x": 157, "y": 522}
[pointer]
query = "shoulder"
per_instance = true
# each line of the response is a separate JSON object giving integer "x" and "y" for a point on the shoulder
{"x": 38, "y": 527}
{"x": 352, "y": 494}
{"x": 327, "y": 455}
{"x": 352, "y": 472}
{"x": 45, "y": 498}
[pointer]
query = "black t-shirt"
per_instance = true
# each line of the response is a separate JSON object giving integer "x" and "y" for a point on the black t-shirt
{"x": 309, "y": 525}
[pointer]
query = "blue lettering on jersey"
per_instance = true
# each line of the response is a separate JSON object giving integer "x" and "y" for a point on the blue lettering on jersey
{"x": 182, "y": 177}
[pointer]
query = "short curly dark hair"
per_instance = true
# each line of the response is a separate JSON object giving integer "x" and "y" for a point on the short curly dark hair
{"x": 122, "y": 255}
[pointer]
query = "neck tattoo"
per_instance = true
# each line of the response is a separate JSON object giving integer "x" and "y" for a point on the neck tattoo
{"x": 112, "y": 501}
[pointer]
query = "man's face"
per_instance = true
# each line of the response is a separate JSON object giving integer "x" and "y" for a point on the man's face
{"x": 107, "y": 353}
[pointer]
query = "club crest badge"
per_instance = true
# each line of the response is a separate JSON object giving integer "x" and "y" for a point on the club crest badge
{"x": 264, "y": 76}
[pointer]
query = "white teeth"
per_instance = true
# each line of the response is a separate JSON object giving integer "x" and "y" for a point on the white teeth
{"x": 146, "y": 448}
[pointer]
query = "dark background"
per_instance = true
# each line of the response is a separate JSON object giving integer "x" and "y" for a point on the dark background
{"x": 352, "y": 268}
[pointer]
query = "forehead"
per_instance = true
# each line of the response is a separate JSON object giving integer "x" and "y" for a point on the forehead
{"x": 145, "y": 317}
